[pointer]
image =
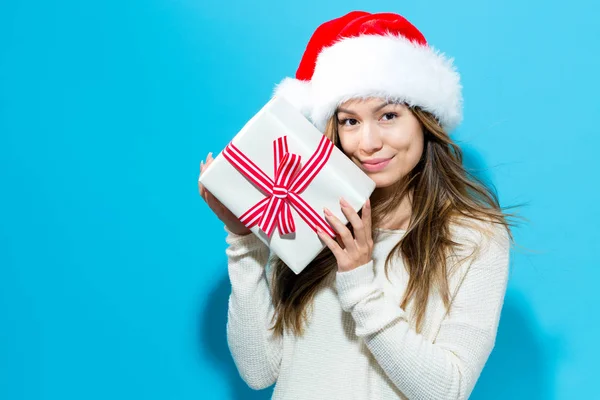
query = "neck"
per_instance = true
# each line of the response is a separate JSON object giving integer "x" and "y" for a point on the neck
{"x": 396, "y": 216}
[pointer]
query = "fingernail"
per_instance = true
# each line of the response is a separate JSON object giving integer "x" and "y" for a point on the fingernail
{"x": 369, "y": 203}
{"x": 326, "y": 211}
{"x": 210, "y": 154}
{"x": 344, "y": 202}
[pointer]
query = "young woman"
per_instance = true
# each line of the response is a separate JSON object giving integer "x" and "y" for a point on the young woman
{"x": 406, "y": 301}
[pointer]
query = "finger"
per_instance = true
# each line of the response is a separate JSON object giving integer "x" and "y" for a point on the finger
{"x": 200, "y": 185}
{"x": 342, "y": 230}
{"x": 204, "y": 194}
{"x": 203, "y": 167}
{"x": 357, "y": 223}
{"x": 209, "y": 160}
{"x": 212, "y": 201}
{"x": 340, "y": 241}
{"x": 337, "y": 251}
{"x": 208, "y": 197}
{"x": 366, "y": 217}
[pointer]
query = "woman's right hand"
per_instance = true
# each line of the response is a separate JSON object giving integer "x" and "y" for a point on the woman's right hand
{"x": 222, "y": 212}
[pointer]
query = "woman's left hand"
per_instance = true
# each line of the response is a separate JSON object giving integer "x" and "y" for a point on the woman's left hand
{"x": 350, "y": 252}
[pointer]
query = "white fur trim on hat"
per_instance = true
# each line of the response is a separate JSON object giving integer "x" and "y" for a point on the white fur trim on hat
{"x": 297, "y": 93}
{"x": 386, "y": 66}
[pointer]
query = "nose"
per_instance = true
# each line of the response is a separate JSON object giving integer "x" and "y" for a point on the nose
{"x": 371, "y": 140}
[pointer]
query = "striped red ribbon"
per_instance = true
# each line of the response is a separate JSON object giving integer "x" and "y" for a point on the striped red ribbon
{"x": 284, "y": 191}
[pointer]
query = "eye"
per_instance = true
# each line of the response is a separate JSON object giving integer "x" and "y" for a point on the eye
{"x": 390, "y": 116}
{"x": 348, "y": 122}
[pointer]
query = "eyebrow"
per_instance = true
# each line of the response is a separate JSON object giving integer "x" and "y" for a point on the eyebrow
{"x": 379, "y": 107}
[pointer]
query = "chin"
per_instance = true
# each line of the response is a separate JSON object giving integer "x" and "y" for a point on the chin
{"x": 383, "y": 181}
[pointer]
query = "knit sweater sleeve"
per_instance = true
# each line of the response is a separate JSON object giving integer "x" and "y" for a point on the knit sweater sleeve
{"x": 255, "y": 350}
{"x": 449, "y": 366}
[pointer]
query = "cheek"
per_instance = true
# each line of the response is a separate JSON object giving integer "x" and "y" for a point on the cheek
{"x": 406, "y": 142}
{"x": 416, "y": 148}
{"x": 349, "y": 143}
{"x": 409, "y": 147}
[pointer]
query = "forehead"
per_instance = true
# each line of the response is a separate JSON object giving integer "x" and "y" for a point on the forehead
{"x": 358, "y": 101}
{"x": 367, "y": 104}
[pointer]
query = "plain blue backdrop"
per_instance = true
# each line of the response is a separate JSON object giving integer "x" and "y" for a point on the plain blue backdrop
{"x": 113, "y": 280}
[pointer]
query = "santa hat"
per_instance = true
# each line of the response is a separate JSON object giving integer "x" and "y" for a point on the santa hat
{"x": 361, "y": 55}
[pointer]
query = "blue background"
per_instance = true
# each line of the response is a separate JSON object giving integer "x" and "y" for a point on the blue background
{"x": 113, "y": 279}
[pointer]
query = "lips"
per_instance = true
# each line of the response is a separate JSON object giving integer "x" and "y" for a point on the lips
{"x": 375, "y": 164}
{"x": 375, "y": 160}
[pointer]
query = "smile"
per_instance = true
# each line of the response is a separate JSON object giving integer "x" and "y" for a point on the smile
{"x": 376, "y": 164}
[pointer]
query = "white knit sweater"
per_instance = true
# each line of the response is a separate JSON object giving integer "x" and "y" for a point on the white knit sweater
{"x": 359, "y": 343}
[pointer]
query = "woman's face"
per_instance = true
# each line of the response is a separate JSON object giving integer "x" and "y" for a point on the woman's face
{"x": 384, "y": 139}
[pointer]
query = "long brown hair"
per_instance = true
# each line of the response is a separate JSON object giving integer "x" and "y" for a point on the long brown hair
{"x": 440, "y": 189}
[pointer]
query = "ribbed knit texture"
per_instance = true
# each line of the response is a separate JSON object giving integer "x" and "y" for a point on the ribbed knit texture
{"x": 359, "y": 343}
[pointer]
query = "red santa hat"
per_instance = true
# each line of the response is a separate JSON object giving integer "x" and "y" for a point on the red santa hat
{"x": 361, "y": 55}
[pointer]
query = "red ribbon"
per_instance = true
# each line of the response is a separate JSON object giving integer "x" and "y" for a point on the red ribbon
{"x": 284, "y": 191}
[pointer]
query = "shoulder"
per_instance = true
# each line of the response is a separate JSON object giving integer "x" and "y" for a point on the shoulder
{"x": 480, "y": 244}
{"x": 479, "y": 234}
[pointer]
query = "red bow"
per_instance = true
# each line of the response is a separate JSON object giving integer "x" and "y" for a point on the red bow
{"x": 290, "y": 180}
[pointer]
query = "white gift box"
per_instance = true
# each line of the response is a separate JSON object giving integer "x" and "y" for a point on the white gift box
{"x": 338, "y": 177}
